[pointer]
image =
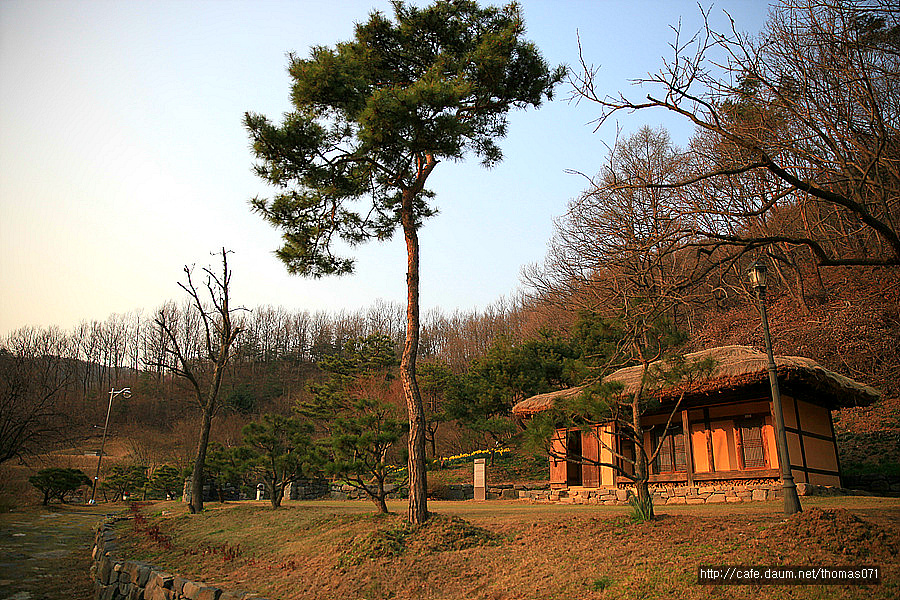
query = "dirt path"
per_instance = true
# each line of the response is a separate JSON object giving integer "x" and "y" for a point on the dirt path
{"x": 45, "y": 554}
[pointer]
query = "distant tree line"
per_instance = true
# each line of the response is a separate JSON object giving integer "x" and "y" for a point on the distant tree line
{"x": 54, "y": 382}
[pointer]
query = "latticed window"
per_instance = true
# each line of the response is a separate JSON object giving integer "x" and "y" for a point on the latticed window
{"x": 671, "y": 457}
{"x": 753, "y": 451}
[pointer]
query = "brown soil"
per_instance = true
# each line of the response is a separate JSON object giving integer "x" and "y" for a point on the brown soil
{"x": 836, "y": 532}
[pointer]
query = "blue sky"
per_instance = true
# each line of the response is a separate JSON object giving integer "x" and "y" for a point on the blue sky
{"x": 123, "y": 157}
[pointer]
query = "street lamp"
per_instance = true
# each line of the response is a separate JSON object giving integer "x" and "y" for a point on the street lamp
{"x": 126, "y": 393}
{"x": 757, "y": 276}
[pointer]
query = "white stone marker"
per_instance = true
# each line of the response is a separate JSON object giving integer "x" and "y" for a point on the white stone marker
{"x": 480, "y": 479}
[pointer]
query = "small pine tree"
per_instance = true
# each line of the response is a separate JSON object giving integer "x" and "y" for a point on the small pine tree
{"x": 56, "y": 482}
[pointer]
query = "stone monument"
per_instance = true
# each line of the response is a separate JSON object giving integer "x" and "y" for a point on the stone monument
{"x": 480, "y": 479}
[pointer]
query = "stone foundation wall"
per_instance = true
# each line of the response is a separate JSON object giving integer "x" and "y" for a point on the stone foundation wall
{"x": 683, "y": 494}
{"x": 118, "y": 579}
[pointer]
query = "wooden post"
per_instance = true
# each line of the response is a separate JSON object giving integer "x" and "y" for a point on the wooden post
{"x": 590, "y": 452}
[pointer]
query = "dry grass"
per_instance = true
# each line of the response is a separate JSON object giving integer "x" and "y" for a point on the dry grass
{"x": 510, "y": 550}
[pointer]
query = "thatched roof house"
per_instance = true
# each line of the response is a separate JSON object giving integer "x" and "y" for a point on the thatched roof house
{"x": 723, "y": 429}
{"x": 735, "y": 368}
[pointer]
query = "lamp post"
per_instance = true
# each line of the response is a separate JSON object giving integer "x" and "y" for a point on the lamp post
{"x": 757, "y": 276}
{"x": 125, "y": 392}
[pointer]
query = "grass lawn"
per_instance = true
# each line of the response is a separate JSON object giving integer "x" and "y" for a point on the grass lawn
{"x": 513, "y": 550}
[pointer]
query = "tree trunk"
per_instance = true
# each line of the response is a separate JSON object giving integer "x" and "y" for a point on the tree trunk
{"x": 277, "y": 494}
{"x": 641, "y": 467}
{"x": 381, "y": 497}
{"x": 381, "y": 504}
{"x": 418, "y": 509}
{"x": 197, "y": 476}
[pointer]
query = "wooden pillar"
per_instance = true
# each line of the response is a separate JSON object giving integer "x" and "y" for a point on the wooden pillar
{"x": 688, "y": 446}
{"x": 590, "y": 452}
{"x": 738, "y": 445}
{"x": 837, "y": 456}
{"x": 709, "y": 443}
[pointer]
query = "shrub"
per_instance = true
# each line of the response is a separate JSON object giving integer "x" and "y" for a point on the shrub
{"x": 56, "y": 482}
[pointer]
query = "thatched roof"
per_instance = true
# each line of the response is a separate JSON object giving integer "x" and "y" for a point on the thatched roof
{"x": 735, "y": 368}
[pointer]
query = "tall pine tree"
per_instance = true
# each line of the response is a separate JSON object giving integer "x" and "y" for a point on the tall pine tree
{"x": 372, "y": 118}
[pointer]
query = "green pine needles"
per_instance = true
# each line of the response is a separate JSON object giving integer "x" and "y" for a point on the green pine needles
{"x": 373, "y": 115}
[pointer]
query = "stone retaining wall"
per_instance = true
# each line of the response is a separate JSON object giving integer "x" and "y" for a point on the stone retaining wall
{"x": 513, "y": 492}
{"x": 345, "y": 491}
{"x": 882, "y": 483}
{"x": 118, "y": 579}
{"x": 440, "y": 491}
{"x": 307, "y": 489}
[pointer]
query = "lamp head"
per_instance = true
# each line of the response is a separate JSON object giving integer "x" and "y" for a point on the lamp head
{"x": 757, "y": 274}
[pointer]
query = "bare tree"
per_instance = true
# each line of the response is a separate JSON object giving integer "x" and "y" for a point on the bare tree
{"x": 115, "y": 346}
{"x": 87, "y": 340}
{"x": 620, "y": 248}
{"x": 135, "y": 327}
{"x": 807, "y": 113}
{"x": 460, "y": 337}
{"x": 619, "y": 253}
{"x": 34, "y": 373}
{"x": 202, "y": 361}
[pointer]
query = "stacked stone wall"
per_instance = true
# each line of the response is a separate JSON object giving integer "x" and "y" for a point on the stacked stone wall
{"x": 307, "y": 489}
{"x": 882, "y": 483}
{"x": 118, "y": 579}
{"x": 345, "y": 491}
{"x": 666, "y": 494}
{"x": 466, "y": 491}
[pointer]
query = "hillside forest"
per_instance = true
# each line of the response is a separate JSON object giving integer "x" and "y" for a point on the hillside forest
{"x": 474, "y": 367}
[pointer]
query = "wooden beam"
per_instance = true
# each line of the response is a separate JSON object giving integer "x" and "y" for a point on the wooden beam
{"x": 717, "y": 476}
{"x": 810, "y": 434}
